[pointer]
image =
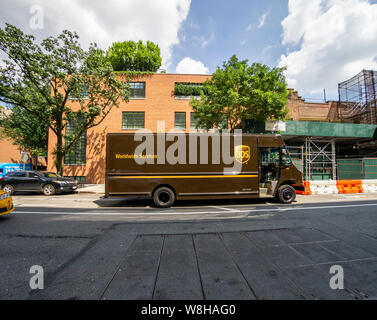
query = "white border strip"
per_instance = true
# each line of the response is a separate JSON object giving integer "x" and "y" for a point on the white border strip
{"x": 142, "y": 214}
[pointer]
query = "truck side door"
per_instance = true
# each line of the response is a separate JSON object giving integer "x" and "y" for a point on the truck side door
{"x": 269, "y": 170}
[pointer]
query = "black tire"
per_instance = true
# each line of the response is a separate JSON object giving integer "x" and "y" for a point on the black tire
{"x": 48, "y": 190}
{"x": 286, "y": 194}
{"x": 8, "y": 188}
{"x": 163, "y": 197}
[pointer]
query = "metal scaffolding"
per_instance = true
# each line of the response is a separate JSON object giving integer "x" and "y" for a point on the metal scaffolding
{"x": 315, "y": 158}
{"x": 357, "y": 98}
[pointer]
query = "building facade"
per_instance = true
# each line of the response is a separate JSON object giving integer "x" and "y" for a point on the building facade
{"x": 9, "y": 153}
{"x": 153, "y": 99}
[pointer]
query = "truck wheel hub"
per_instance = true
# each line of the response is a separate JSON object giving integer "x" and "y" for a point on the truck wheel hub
{"x": 164, "y": 197}
{"x": 287, "y": 194}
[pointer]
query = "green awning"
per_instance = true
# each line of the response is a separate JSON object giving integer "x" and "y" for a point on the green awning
{"x": 319, "y": 129}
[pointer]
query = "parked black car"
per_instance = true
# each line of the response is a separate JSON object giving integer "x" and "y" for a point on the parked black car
{"x": 47, "y": 182}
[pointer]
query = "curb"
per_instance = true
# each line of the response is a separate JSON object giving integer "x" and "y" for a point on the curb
{"x": 90, "y": 192}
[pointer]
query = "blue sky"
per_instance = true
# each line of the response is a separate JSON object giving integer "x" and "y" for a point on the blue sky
{"x": 321, "y": 42}
{"x": 232, "y": 30}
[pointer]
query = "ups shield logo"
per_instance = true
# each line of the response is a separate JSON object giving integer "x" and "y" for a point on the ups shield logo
{"x": 242, "y": 154}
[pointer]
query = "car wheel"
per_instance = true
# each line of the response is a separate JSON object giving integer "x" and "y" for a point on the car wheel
{"x": 8, "y": 189}
{"x": 163, "y": 197}
{"x": 48, "y": 190}
{"x": 286, "y": 194}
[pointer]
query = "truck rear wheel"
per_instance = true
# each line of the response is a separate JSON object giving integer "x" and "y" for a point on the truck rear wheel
{"x": 163, "y": 197}
{"x": 286, "y": 194}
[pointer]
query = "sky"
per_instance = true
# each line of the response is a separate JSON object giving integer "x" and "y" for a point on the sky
{"x": 320, "y": 42}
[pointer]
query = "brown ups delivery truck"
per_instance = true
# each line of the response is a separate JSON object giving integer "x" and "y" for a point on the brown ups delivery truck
{"x": 179, "y": 166}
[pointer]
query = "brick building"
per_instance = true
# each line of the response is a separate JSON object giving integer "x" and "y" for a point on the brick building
{"x": 152, "y": 99}
{"x": 9, "y": 153}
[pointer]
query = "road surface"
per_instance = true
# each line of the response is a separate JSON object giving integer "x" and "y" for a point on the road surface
{"x": 211, "y": 250}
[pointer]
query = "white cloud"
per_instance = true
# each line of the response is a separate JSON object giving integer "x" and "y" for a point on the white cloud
{"x": 202, "y": 41}
{"x": 269, "y": 47}
{"x": 262, "y": 20}
{"x": 104, "y": 22}
{"x": 332, "y": 41}
{"x": 249, "y": 27}
{"x": 243, "y": 42}
{"x": 191, "y": 66}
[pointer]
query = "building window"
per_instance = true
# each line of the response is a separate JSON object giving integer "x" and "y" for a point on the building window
{"x": 137, "y": 90}
{"x": 180, "y": 120}
{"x": 77, "y": 154}
{"x": 133, "y": 120}
{"x": 223, "y": 124}
{"x": 188, "y": 89}
{"x": 193, "y": 121}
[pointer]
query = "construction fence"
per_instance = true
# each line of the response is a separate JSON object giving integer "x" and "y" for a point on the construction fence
{"x": 359, "y": 169}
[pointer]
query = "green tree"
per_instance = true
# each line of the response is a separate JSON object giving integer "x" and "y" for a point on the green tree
{"x": 42, "y": 78}
{"x": 134, "y": 56}
{"x": 239, "y": 91}
{"x": 25, "y": 130}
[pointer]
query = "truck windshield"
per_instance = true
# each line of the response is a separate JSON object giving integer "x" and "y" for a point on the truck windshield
{"x": 270, "y": 156}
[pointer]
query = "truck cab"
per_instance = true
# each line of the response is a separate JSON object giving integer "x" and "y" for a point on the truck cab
{"x": 278, "y": 176}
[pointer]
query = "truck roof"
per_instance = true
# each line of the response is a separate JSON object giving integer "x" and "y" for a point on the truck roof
{"x": 186, "y": 133}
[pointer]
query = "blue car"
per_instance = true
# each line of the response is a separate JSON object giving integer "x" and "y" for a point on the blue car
{"x": 9, "y": 167}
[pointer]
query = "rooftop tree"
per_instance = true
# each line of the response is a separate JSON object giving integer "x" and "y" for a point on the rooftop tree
{"x": 239, "y": 91}
{"x": 134, "y": 56}
{"x": 42, "y": 78}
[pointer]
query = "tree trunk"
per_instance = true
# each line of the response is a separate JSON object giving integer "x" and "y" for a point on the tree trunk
{"x": 34, "y": 163}
{"x": 59, "y": 154}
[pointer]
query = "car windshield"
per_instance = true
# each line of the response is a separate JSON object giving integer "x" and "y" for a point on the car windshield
{"x": 50, "y": 175}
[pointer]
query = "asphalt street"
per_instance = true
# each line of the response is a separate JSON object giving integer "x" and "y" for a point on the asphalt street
{"x": 255, "y": 249}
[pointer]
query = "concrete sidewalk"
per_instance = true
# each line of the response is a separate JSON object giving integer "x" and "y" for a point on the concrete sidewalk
{"x": 92, "y": 188}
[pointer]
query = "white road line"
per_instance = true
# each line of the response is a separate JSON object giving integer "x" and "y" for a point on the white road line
{"x": 36, "y": 205}
{"x": 198, "y": 212}
{"x": 56, "y": 199}
{"x": 222, "y": 208}
{"x": 115, "y": 213}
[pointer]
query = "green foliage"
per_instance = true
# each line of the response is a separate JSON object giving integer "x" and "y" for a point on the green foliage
{"x": 40, "y": 78}
{"x": 188, "y": 89}
{"x": 25, "y": 130}
{"x": 134, "y": 74}
{"x": 134, "y": 56}
{"x": 240, "y": 91}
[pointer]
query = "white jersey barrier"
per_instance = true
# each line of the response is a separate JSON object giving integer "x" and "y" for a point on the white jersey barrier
{"x": 323, "y": 186}
{"x": 341, "y": 186}
{"x": 369, "y": 186}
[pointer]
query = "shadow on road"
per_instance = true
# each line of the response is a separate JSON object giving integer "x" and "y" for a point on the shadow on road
{"x": 148, "y": 202}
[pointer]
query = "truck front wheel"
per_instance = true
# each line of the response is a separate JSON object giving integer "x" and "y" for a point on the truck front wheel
{"x": 286, "y": 194}
{"x": 163, "y": 197}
